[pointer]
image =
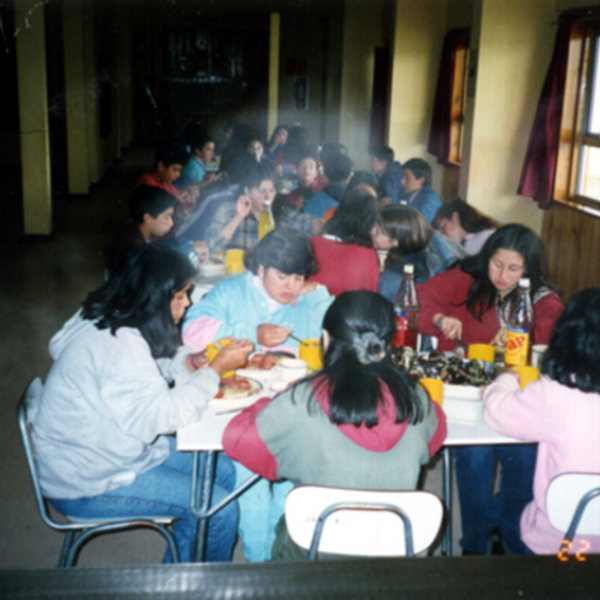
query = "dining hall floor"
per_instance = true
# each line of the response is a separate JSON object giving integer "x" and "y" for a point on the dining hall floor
{"x": 42, "y": 284}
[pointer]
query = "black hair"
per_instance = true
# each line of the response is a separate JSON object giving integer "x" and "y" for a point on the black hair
{"x": 419, "y": 168}
{"x": 360, "y": 177}
{"x": 482, "y": 293}
{"x": 198, "y": 143}
{"x": 331, "y": 149}
{"x": 139, "y": 293}
{"x": 471, "y": 220}
{"x": 287, "y": 250}
{"x": 407, "y": 226}
{"x": 169, "y": 153}
{"x": 383, "y": 153}
{"x": 354, "y": 218}
{"x": 237, "y": 165}
{"x": 354, "y": 388}
{"x": 298, "y": 146}
{"x": 258, "y": 174}
{"x": 573, "y": 355}
{"x": 150, "y": 200}
{"x": 275, "y": 133}
{"x": 338, "y": 168}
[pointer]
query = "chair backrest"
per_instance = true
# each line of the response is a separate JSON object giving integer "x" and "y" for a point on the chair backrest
{"x": 25, "y": 413}
{"x": 365, "y": 532}
{"x": 562, "y": 497}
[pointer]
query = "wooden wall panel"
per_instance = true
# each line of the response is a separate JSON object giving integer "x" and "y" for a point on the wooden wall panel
{"x": 572, "y": 247}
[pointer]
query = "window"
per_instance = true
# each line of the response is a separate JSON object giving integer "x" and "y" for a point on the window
{"x": 448, "y": 119}
{"x": 588, "y": 172}
{"x": 578, "y": 164}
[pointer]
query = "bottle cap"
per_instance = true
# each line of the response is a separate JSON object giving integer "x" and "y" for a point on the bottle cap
{"x": 409, "y": 269}
{"x": 524, "y": 282}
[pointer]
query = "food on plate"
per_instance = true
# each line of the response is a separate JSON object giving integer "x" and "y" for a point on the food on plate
{"x": 450, "y": 369}
{"x": 236, "y": 386}
{"x": 265, "y": 361}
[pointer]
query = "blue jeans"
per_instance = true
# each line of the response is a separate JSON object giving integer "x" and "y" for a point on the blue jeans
{"x": 165, "y": 490}
{"x": 480, "y": 509}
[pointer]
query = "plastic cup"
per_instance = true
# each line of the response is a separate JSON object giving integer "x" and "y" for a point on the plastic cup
{"x": 234, "y": 261}
{"x": 527, "y": 374}
{"x": 537, "y": 354}
{"x": 310, "y": 351}
{"x": 292, "y": 369}
{"x": 434, "y": 387}
{"x": 213, "y": 349}
{"x": 484, "y": 352}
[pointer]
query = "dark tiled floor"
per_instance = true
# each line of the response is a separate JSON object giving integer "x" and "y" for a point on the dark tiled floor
{"x": 42, "y": 285}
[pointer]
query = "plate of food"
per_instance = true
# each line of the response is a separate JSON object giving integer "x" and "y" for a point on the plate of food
{"x": 261, "y": 364}
{"x": 236, "y": 392}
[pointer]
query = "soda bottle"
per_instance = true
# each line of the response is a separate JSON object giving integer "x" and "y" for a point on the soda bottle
{"x": 520, "y": 324}
{"x": 267, "y": 222}
{"x": 406, "y": 307}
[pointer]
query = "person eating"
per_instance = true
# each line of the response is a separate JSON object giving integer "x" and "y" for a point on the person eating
{"x": 471, "y": 302}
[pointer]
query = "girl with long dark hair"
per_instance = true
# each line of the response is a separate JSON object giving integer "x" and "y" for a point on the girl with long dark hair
{"x": 408, "y": 238}
{"x": 472, "y": 301}
{"x": 358, "y": 423}
{"x": 344, "y": 252}
{"x": 121, "y": 382}
{"x": 465, "y": 224}
{"x": 561, "y": 412}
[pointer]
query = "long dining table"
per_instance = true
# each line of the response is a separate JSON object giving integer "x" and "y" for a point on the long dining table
{"x": 205, "y": 436}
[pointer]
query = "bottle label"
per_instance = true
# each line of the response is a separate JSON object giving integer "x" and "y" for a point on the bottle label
{"x": 517, "y": 346}
{"x": 398, "y": 339}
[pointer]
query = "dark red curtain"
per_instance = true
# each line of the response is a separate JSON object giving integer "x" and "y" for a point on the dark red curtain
{"x": 441, "y": 121}
{"x": 539, "y": 169}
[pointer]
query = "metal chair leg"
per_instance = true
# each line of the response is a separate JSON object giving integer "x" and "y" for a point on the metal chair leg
{"x": 65, "y": 549}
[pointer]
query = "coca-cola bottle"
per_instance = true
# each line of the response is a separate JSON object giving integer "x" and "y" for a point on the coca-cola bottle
{"x": 406, "y": 307}
{"x": 519, "y": 330}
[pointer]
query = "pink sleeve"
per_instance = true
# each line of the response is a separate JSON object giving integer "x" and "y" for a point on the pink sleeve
{"x": 242, "y": 442}
{"x": 441, "y": 431}
{"x": 517, "y": 413}
{"x": 199, "y": 333}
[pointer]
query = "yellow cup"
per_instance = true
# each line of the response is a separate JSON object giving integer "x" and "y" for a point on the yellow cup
{"x": 434, "y": 387}
{"x": 527, "y": 374}
{"x": 310, "y": 351}
{"x": 213, "y": 349}
{"x": 234, "y": 261}
{"x": 484, "y": 352}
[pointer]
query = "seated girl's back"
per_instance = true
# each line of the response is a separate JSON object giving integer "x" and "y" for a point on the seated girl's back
{"x": 359, "y": 423}
{"x": 561, "y": 412}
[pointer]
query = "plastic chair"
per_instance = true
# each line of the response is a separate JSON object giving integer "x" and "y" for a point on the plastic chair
{"x": 366, "y": 523}
{"x": 573, "y": 504}
{"x": 77, "y": 532}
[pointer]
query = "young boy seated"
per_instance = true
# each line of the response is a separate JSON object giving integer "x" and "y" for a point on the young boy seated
{"x": 151, "y": 218}
{"x": 416, "y": 180}
{"x": 308, "y": 182}
{"x": 389, "y": 174}
{"x": 338, "y": 170}
{"x": 194, "y": 172}
{"x": 166, "y": 170}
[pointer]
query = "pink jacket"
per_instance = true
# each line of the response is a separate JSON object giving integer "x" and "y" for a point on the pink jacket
{"x": 565, "y": 423}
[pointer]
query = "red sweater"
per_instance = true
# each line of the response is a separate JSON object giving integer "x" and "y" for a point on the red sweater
{"x": 445, "y": 293}
{"x": 345, "y": 267}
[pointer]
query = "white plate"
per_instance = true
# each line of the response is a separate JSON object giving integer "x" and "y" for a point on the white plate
{"x": 212, "y": 268}
{"x": 229, "y": 404}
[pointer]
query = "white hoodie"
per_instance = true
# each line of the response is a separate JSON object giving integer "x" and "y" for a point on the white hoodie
{"x": 105, "y": 404}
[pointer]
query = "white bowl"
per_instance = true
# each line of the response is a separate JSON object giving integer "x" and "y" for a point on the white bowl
{"x": 292, "y": 369}
{"x": 462, "y": 402}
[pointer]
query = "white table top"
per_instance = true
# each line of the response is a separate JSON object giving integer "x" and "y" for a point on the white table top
{"x": 207, "y": 433}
